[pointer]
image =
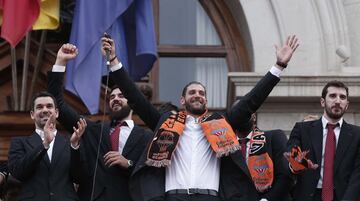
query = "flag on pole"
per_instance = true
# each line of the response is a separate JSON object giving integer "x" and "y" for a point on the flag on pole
{"x": 129, "y": 23}
{"x": 18, "y": 18}
{"x": 49, "y": 15}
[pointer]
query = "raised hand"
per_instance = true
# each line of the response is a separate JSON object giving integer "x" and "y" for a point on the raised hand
{"x": 66, "y": 52}
{"x": 49, "y": 129}
{"x": 298, "y": 160}
{"x": 108, "y": 44}
{"x": 115, "y": 158}
{"x": 284, "y": 53}
{"x": 78, "y": 132}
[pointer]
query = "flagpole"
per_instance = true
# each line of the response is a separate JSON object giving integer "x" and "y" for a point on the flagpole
{"x": 14, "y": 79}
{"x": 37, "y": 65}
{"x": 25, "y": 71}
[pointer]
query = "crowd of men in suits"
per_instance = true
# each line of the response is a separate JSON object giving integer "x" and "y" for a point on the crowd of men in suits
{"x": 189, "y": 153}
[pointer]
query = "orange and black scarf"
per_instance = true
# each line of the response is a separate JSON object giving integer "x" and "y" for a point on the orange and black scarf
{"x": 260, "y": 164}
{"x": 216, "y": 129}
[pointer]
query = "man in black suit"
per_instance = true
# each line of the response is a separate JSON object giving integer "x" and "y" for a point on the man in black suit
{"x": 45, "y": 162}
{"x": 236, "y": 180}
{"x": 120, "y": 142}
{"x": 181, "y": 163}
{"x": 333, "y": 145}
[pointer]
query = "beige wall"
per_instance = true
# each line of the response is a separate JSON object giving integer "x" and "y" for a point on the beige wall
{"x": 324, "y": 27}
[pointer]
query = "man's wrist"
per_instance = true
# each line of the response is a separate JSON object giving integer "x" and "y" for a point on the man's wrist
{"x": 75, "y": 146}
{"x": 114, "y": 61}
{"x": 130, "y": 163}
{"x": 281, "y": 64}
{"x": 60, "y": 62}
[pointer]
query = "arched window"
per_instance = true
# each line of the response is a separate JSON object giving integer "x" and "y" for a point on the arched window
{"x": 197, "y": 40}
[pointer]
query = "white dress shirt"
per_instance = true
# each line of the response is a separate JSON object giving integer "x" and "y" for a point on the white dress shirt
{"x": 194, "y": 164}
{"x": 51, "y": 145}
{"x": 337, "y": 134}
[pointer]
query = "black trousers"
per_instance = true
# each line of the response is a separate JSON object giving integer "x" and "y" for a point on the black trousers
{"x": 192, "y": 197}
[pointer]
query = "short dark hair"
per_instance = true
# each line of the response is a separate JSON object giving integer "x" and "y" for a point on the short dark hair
{"x": 190, "y": 83}
{"x": 42, "y": 94}
{"x": 113, "y": 87}
{"x": 334, "y": 83}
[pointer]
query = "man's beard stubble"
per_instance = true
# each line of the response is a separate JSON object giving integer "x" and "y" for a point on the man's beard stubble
{"x": 332, "y": 115}
{"x": 120, "y": 115}
{"x": 196, "y": 111}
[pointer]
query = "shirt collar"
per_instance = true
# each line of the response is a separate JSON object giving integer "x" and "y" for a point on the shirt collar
{"x": 41, "y": 133}
{"x": 325, "y": 122}
{"x": 130, "y": 123}
{"x": 191, "y": 119}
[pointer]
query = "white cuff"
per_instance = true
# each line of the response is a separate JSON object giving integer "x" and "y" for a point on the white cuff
{"x": 275, "y": 71}
{"x": 75, "y": 148}
{"x": 116, "y": 67}
{"x": 58, "y": 68}
{"x": 264, "y": 199}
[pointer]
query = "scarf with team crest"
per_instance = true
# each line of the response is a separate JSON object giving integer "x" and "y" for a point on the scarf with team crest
{"x": 216, "y": 129}
{"x": 260, "y": 164}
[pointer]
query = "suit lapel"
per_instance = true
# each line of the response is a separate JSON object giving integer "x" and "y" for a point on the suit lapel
{"x": 106, "y": 137}
{"x": 240, "y": 161}
{"x": 132, "y": 140}
{"x": 316, "y": 135}
{"x": 58, "y": 147}
{"x": 35, "y": 140}
{"x": 345, "y": 138}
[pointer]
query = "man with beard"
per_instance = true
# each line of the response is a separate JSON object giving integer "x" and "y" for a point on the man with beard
{"x": 183, "y": 160}
{"x": 46, "y": 163}
{"x": 112, "y": 148}
{"x": 328, "y": 167}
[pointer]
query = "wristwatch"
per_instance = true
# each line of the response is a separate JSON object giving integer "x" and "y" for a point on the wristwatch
{"x": 130, "y": 163}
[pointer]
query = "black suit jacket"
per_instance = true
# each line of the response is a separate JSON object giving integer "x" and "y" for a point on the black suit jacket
{"x": 309, "y": 136}
{"x": 149, "y": 182}
{"x": 235, "y": 179}
{"x": 110, "y": 183}
{"x": 41, "y": 180}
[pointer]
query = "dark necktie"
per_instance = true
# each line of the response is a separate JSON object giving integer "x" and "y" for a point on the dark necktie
{"x": 328, "y": 174}
{"x": 114, "y": 136}
{"x": 243, "y": 142}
